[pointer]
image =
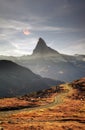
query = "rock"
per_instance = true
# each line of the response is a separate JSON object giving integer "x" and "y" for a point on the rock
{"x": 42, "y": 49}
{"x": 1, "y": 122}
{"x": 1, "y": 128}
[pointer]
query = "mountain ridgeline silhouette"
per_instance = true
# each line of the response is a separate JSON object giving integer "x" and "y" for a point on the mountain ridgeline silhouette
{"x": 49, "y": 63}
{"x": 16, "y": 80}
{"x": 42, "y": 49}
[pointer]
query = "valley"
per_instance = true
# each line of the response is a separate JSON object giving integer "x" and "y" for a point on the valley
{"x": 42, "y": 64}
{"x": 49, "y": 63}
{"x": 42, "y": 91}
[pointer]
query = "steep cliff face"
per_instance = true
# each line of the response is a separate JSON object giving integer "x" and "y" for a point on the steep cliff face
{"x": 42, "y": 49}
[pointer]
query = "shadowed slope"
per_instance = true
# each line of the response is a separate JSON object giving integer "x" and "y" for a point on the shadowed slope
{"x": 17, "y": 80}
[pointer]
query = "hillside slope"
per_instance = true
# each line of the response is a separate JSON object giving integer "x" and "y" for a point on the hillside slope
{"x": 60, "y": 110}
{"x": 49, "y": 63}
{"x": 17, "y": 80}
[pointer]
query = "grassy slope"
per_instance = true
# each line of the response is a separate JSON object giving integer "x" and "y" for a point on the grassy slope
{"x": 65, "y": 113}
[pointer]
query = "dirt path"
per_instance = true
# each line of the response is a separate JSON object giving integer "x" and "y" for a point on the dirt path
{"x": 58, "y": 100}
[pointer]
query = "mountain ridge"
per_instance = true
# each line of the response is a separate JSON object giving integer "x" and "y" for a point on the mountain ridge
{"x": 42, "y": 49}
{"x": 17, "y": 80}
{"x": 54, "y": 65}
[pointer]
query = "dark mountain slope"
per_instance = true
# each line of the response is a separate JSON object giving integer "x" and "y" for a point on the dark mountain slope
{"x": 49, "y": 63}
{"x": 17, "y": 80}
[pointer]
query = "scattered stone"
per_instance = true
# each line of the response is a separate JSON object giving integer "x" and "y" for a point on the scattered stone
{"x": 10, "y": 122}
{"x": 1, "y": 128}
{"x": 1, "y": 122}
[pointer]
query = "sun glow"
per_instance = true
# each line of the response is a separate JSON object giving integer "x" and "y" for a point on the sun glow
{"x": 26, "y": 32}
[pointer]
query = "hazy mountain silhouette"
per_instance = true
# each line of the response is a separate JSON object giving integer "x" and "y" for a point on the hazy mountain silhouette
{"x": 49, "y": 63}
{"x": 43, "y": 49}
{"x": 17, "y": 80}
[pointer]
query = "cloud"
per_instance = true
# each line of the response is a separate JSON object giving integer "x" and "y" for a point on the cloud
{"x": 53, "y": 19}
{"x": 6, "y": 47}
{"x": 26, "y": 32}
{"x": 17, "y": 47}
{"x": 75, "y": 47}
{"x": 58, "y": 29}
{"x": 10, "y": 28}
{"x": 61, "y": 72}
{"x": 25, "y": 46}
{"x": 13, "y": 24}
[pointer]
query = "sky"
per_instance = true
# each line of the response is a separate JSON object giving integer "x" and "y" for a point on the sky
{"x": 61, "y": 23}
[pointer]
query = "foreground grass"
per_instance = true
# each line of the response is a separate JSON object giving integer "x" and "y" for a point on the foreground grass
{"x": 69, "y": 114}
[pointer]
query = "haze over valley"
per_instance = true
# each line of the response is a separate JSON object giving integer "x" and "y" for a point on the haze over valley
{"x": 49, "y": 63}
{"x": 42, "y": 64}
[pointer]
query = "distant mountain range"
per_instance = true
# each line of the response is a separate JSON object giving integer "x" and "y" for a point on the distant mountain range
{"x": 49, "y": 63}
{"x": 16, "y": 80}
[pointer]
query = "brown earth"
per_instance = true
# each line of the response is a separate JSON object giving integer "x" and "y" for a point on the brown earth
{"x": 60, "y": 110}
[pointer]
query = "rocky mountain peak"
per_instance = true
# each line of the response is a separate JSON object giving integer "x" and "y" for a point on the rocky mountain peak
{"x": 43, "y": 49}
{"x": 42, "y": 42}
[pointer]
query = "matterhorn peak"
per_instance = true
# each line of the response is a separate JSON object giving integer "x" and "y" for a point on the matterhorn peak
{"x": 42, "y": 49}
{"x": 41, "y": 42}
{"x": 41, "y": 45}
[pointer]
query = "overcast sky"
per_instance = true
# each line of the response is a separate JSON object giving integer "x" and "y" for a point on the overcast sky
{"x": 61, "y": 23}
